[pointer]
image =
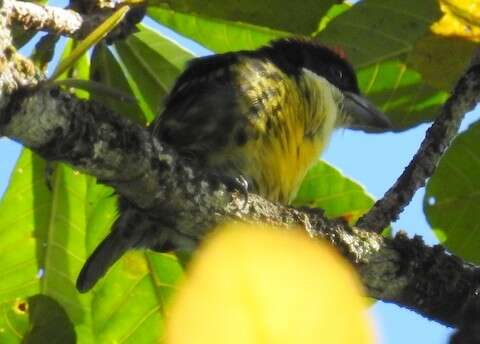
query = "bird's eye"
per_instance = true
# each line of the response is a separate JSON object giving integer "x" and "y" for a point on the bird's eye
{"x": 337, "y": 73}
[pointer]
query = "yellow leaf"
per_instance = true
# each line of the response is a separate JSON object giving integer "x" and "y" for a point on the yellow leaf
{"x": 256, "y": 284}
{"x": 461, "y": 19}
{"x": 94, "y": 37}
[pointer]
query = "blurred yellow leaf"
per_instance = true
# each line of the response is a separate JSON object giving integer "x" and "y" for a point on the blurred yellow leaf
{"x": 255, "y": 284}
{"x": 461, "y": 19}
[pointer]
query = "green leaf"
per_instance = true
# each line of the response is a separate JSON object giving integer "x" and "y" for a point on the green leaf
{"x": 441, "y": 73}
{"x": 281, "y": 15}
{"x": 326, "y": 188}
{"x": 42, "y": 233}
{"x": 452, "y": 197}
{"x": 14, "y": 321}
{"x": 46, "y": 236}
{"x": 333, "y": 12}
{"x": 151, "y": 64}
{"x": 378, "y": 30}
{"x": 94, "y": 37}
{"x": 378, "y": 36}
{"x": 215, "y": 34}
{"x": 106, "y": 70}
{"x": 79, "y": 70}
{"x": 129, "y": 303}
{"x": 43, "y": 312}
{"x": 400, "y": 92}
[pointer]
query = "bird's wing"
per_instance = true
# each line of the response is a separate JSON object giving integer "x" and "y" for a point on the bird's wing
{"x": 201, "y": 112}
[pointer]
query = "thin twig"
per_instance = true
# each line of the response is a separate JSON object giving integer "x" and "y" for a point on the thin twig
{"x": 68, "y": 22}
{"x": 437, "y": 139}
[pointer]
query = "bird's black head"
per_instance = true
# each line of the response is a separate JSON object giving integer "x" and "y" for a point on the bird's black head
{"x": 301, "y": 53}
{"x": 294, "y": 54}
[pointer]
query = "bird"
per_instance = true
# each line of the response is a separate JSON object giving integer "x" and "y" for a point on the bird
{"x": 257, "y": 119}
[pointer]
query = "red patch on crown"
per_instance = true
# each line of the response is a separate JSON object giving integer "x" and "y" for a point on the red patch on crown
{"x": 340, "y": 52}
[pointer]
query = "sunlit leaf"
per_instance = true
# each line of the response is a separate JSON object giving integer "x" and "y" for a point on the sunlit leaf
{"x": 452, "y": 198}
{"x": 94, "y": 37}
{"x": 215, "y": 34}
{"x": 46, "y": 236}
{"x": 283, "y": 15}
{"x": 79, "y": 70}
{"x": 42, "y": 234}
{"x": 151, "y": 63}
{"x": 333, "y": 12}
{"x": 400, "y": 92}
{"x": 129, "y": 303}
{"x": 325, "y": 187}
{"x": 106, "y": 70}
{"x": 14, "y": 320}
{"x": 461, "y": 18}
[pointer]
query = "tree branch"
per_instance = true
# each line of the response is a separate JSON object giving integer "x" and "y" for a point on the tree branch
{"x": 15, "y": 71}
{"x": 437, "y": 139}
{"x": 52, "y": 19}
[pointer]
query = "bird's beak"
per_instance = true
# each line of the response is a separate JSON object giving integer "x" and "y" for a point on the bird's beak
{"x": 363, "y": 115}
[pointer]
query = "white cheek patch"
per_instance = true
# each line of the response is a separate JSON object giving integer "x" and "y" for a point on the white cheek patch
{"x": 326, "y": 101}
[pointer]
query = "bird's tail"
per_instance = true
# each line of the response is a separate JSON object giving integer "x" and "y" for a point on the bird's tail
{"x": 125, "y": 235}
{"x": 107, "y": 253}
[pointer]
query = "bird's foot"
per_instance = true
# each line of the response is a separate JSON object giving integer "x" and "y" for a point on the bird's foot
{"x": 237, "y": 183}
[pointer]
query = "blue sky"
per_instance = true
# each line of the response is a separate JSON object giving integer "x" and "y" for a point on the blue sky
{"x": 375, "y": 161}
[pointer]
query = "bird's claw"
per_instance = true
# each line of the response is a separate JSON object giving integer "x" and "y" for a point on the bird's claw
{"x": 238, "y": 183}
